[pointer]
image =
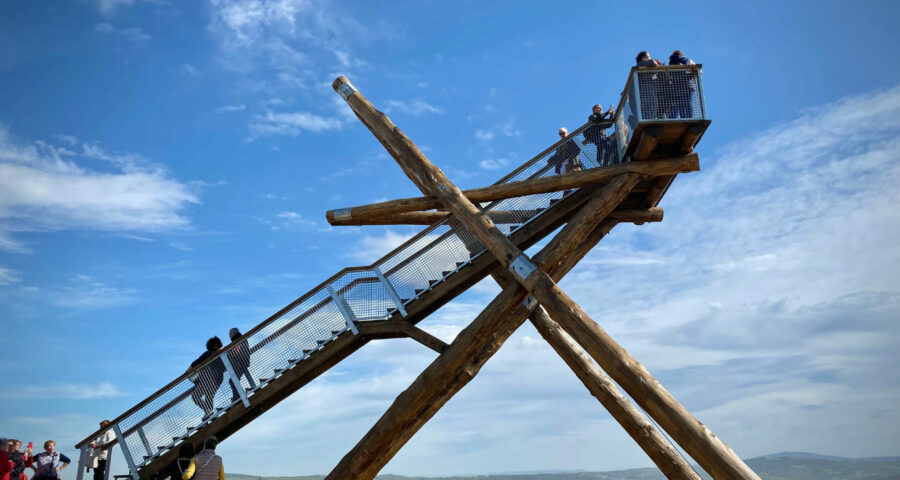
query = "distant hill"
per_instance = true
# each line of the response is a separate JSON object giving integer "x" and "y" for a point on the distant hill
{"x": 777, "y": 466}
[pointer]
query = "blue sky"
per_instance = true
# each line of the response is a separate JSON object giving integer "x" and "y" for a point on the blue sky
{"x": 165, "y": 168}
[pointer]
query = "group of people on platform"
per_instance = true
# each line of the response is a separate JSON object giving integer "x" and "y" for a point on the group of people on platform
{"x": 663, "y": 95}
{"x": 209, "y": 378}
{"x": 14, "y": 464}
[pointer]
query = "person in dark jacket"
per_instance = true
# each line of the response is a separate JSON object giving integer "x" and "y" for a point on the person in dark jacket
{"x": 682, "y": 86}
{"x": 208, "y": 379}
{"x": 596, "y": 134}
{"x": 565, "y": 160}
{"x": 648, "y": 86}
{"x": 16, "y": 457}
{"x": 239, "y": 356}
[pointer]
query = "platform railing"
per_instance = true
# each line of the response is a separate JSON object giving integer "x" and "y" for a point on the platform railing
{"x": 659, "y": 94}
{"x": 353, "y": 295}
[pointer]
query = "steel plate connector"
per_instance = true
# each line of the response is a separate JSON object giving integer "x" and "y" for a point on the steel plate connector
{"x": 522, "y": 267}
{"x": 346, "y": 89}
{"x": 342, "y": 214}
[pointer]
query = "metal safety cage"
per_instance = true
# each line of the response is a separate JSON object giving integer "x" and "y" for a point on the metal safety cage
{"x": 659, "y": 94}
{"x": 269, "y": 350}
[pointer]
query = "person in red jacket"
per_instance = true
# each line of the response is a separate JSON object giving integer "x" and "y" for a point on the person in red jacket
{"x": 5, "y": 465}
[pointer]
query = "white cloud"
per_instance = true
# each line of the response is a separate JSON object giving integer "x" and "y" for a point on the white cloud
{"x": 484, "y": 135}
{"x": 9, "y": 276}
{"x": 415, "y": 108}
{"x": 70, "y": 139}
{"x": 231, "y": 108}
{"x": 85, "y": 292}
{"x": 291, "y": 124}
{"x": 493, "y": 163}
{"x": 133, "y": 34}
{"x": 63, "y": 390}
{"x": 372, "y": 248}
{"x": 40, "y": 190}
{"x": 189, "y": 70}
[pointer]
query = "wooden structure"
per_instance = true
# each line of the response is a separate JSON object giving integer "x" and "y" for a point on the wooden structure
{"x": 476, "y": 232}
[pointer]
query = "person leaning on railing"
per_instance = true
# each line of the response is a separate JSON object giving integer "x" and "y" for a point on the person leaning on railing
{"x": 682, "y": 85}
{"x": 565, "y": 159}
{"x": 100, "y": 451}
{"x": 206, "y": 465}
{"x": 648, "y": 89}
{"x": 596, "y": 134}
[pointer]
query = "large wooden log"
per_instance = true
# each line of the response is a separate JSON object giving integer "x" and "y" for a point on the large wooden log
{"x": 602, "y": 387}
{"x": 502, "y": 216}
{"x": 710, "y": 452}
{"x": 566, "y": 181}
{"x": 447, "y": 374}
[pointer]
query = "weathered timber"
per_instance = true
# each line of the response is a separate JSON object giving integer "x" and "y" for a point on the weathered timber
{"x": 425, "y": 338}
{"x": 566, "y": 181}
{"x": 647, "y": 143}
{"x": 691, "y": 137}
{"x": 604, "y": 389}
{"x": 710, "y": 452}
{"x": 451, "y": 371}
{"x": 502, "y": 216}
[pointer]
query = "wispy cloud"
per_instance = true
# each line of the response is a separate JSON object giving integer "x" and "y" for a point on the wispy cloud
{"x": 63, "y": 391}
{"x": 189, "y": 70}
{"x": 231, "y": 108}
{"x": 291, "y": 124}
{"x": 415, "y": 108}
{"x": 44, "y": 190}
{"x": 493, "y": 163}
{"x": 9, "y": 276}
{"x": 371, "y": 248}
{"x": 134, "y": 35}
{"x": 85, "y": 292}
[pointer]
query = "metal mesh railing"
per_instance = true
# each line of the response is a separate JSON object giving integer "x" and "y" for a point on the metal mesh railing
{"x": 659, "y": 94}
{"x": 358, "y": 294}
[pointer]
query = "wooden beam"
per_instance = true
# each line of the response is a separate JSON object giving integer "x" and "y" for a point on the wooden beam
{"x": 710, "y": 452}
{"x": 666, "y": 458}
{"x": 566, "y": 181}
{"x": 502, "y": 216}
{"x": 647, "y": 143}
{"x": 425, "y": 338}
{"x": 691, "y": 137}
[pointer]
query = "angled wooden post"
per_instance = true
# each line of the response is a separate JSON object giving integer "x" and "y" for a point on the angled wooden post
{"x": 710, "y": 452}
{"x": 603, "y": 389}
{"x": 502, "y": 216}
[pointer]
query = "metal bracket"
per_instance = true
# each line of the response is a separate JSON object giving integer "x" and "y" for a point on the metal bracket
{"x": 346, "y": 89}
{"x": 390, "y": 290}
{"x": 530, "y": 302}
{"x": 522, "y": 267}
{"x": 344, "y": 308}
{"x": 132, "y": 469}
{"x": 342, "y": 214}
{"x": 235, "y": 380}
{"x": 636, "y": 91}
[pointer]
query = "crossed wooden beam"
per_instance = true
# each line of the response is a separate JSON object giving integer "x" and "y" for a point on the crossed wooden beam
{"x": 529, "y": 291}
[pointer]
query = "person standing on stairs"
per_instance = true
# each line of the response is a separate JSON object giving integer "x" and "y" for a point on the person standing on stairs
{"x": 100, "y": 451}
{"x": 206, "y": 465}
{"x": 208, "y": 379}
{"x": 596, "y": 134}
{"x": 239, "y": 356}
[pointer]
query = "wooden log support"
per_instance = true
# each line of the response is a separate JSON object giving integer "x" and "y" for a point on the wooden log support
{"x": 710, "y": 452}
{"x": 604, "y": 389}
{"x": 424, "y": 338}
{"x": 566, "y": 181}
{"x": 647, "y": 143}
{"x": 503, "y": 216}
{"x": 691, "y": 137}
